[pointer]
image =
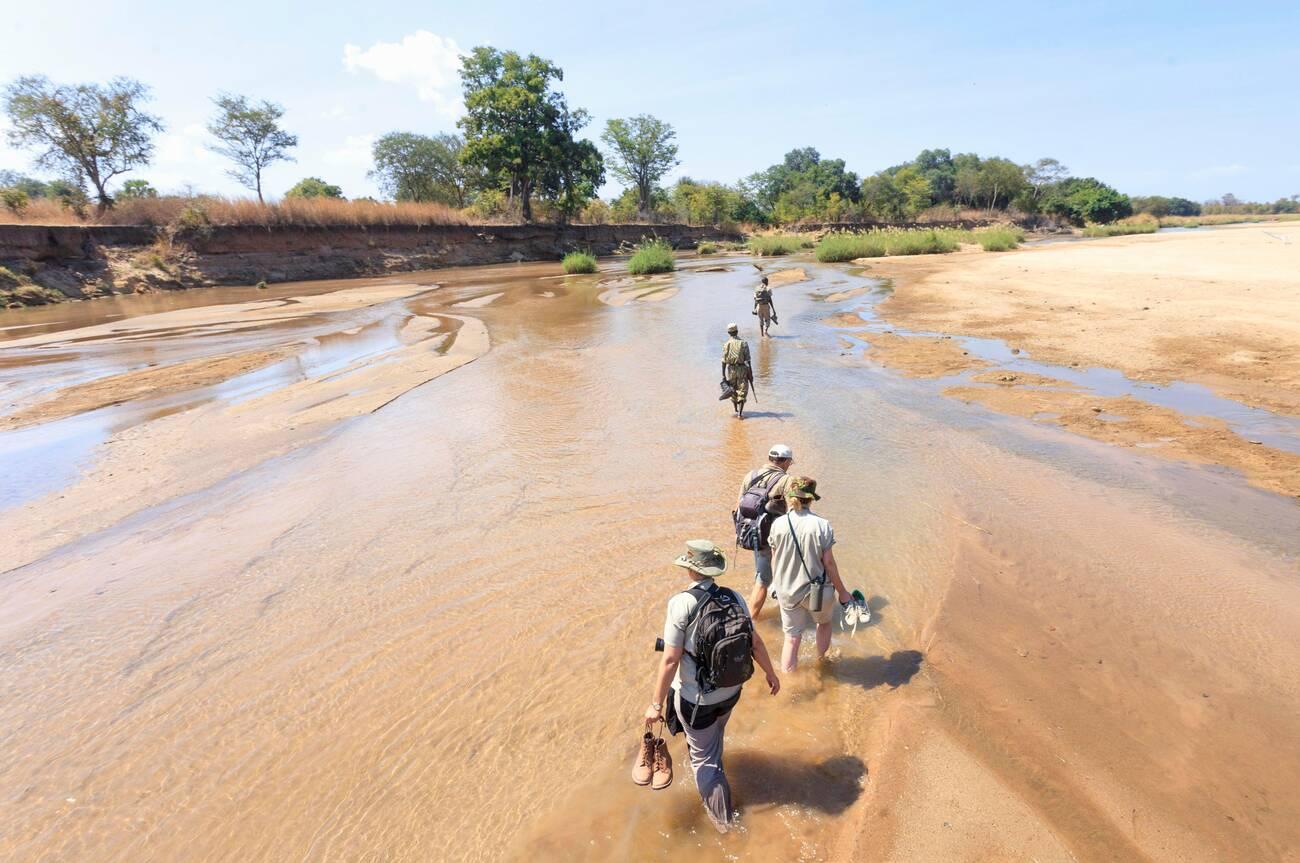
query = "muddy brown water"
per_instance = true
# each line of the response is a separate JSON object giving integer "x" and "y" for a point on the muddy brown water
{"x": 426, "y": 632}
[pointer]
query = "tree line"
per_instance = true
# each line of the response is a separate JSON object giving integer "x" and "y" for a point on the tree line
{"x": 518, "y": 150}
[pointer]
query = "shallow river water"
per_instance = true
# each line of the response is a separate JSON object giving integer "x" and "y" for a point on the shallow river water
{"x": 425, "y": 632}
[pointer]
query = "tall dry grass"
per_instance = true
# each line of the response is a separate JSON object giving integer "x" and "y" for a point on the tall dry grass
{"x": 183, "y": 211}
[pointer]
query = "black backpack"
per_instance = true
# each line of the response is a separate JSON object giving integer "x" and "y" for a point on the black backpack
{"x": 751, "y": 517}
{"x": 724, "y": 638}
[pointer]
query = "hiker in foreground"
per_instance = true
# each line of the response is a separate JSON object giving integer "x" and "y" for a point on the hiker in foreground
{"x": 804, "y": 571}
{"x": 736, "y": 372}
{"x": 764, "y": 307}
{"x": 762, "y": 499}
{"x": 710, "y": 648}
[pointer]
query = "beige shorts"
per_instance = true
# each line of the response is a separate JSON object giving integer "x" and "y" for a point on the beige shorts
{"x": 794, "y": 621}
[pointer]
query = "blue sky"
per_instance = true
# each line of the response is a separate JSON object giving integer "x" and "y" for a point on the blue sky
{"x": 1180, "y": 98}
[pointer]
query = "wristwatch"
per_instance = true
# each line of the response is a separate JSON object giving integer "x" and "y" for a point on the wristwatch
{"x": 659, "y": 708}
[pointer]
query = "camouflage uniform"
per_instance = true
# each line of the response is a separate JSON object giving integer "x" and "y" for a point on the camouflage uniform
{"x": 763, "y": 305}
{"x": 735, "y": 356}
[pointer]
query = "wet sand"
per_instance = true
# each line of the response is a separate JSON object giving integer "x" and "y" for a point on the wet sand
{"x": 394, "y": 596}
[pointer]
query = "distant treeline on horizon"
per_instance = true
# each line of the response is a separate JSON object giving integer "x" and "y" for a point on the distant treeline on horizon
{"x": 518, "y": 155}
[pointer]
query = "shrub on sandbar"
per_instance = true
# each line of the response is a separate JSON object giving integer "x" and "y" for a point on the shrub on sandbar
{"x": 579, "y": 262}
{"x": 652, "y": 256}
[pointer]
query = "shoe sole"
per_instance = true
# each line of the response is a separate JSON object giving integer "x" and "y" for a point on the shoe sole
{"x": 661, "y": 787}
{"x": 642, "y": 784}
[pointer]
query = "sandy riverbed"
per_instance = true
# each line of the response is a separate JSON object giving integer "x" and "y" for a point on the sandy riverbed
{"x": 345, "y": 605}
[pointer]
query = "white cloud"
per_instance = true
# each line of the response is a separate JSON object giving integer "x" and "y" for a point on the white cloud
{"x": 1220, "y": 171}
{"x": 426, "y": 60}
{"x": 354, "y": 152}
{"x": 334, "y": 113}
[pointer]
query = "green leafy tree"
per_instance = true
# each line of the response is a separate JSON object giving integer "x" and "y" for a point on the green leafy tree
{"x": 251, "y": 137}
{"x": 136, "y": 189}
{"x": 643, "y": 152}
{"x": 511, "y": 118}
{"x": 572, "y": 169}
{"x": 411, "y": 167}
{"x": 801, "y": 185}
{"x": 1087, "y": 200}
{"x": 1000, "y": 180}
{"x": 314, "y": 187}
{"x": 937, "y": 167}
{"x": 882, "y": 199}
{"x": 90, "y": 132}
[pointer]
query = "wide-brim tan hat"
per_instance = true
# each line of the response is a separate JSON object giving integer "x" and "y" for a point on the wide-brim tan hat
{"x": 703, "y": 556}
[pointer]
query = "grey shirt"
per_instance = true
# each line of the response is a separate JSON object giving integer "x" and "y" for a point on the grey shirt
{"x": 676, "y": 635}
{"x": 813, "y": 533}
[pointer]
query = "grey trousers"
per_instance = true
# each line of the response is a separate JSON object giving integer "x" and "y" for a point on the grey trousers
{"x": 704, "y": 748}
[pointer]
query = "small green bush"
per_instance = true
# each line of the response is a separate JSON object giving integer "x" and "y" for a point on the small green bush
{"x": 652, "y": 256}
{"x": 706, "y": 248}
{"x": 14, "y": 200}
{"x": 1119, "y": 229}
{"x": 999, "y": 239}
{"x": 579, "y": 262}
{"x": 877, "y": 243}
{"x": 767, "y": 245}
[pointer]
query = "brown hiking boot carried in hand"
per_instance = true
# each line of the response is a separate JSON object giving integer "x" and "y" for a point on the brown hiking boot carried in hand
{"x": 663, "y": 765}
{"x": 643, "y": 766}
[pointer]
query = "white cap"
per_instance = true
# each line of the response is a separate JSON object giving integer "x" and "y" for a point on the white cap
{"x": 780, "y": 450}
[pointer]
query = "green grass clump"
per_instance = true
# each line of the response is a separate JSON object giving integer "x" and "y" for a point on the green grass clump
{"x": 877, "y": 243}
{"x": 652, "y": 256}
{"x": 1120, "y": 229}
{"x": 1002, "y": 238}
{"x": 767, "y": 245}
{"x": 579, "y": 262}
{"x": 706, "y": 248}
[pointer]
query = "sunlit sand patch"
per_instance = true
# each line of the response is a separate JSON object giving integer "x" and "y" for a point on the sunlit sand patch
{"x": 844, "y": 319}
{"x": 920, "y": 356}
{"x": 479, "y": 302}
{"x": 780, "y": 278}
{"x": 151, "y": 382}
{"x": 627, "y": 290}
{"x": 230, "y": 317}
{"x": 1126, "y": 421}
{"x": 841, "y": 296}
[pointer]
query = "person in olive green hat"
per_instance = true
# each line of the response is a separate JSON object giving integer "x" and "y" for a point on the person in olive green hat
{"x": 804, "y": 571}
{"x": 701, "y": 715}
{"x": 736, "y": 370}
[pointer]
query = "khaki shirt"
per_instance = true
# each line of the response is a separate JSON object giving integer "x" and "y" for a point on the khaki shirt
{"x": 791, "y": 534}
{"x": 735, "y": 352}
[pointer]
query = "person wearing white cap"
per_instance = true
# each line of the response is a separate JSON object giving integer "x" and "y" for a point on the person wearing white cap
{"x": 762, "y": 498}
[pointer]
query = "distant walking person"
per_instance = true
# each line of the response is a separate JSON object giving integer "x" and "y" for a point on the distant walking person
{"x": 709, "y": 642}
{"x": 764, "y": 307}
{"x": 804, "y": 571}
{"x": 762, "y": 499}
{"x": 736, "y": 370}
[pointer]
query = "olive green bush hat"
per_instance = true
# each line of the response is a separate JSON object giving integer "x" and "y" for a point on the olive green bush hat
{"x": 802, "y": 487}
{"x": 703, "y": 556}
